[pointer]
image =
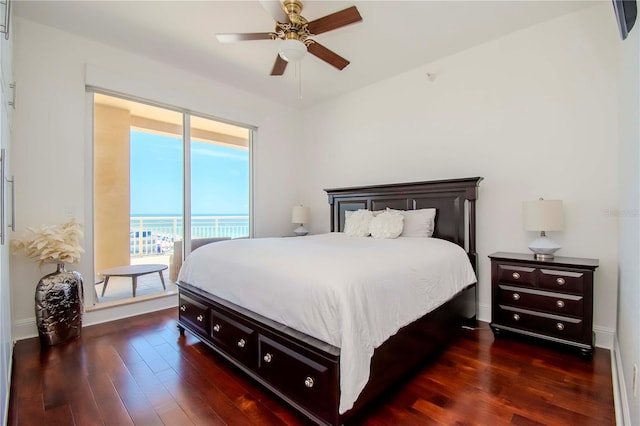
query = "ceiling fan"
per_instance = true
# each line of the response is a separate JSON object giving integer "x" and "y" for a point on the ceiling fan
{"x": 296, "y": 32}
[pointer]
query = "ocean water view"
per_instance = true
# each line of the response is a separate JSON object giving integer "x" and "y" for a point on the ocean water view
{"x": 219, "y": 180}
{"x": 155, "y": 234}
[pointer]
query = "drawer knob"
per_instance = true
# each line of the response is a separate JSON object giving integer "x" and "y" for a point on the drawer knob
{"x": 183, "y": 308}
{"x": 308, "y": 382}
{"x": 560, "y": 304}
{"x": 560, "y": 281}
{"x": 516, "y": 317}
{"x": 267, "y": 357}
{"x": 516, "y": 276}
{"x": 560, "y": 326}
{"x": 516, "y": 296}
{"x": 216, "y": 328}
{"x": 241, "y": 343}
{"x": 200, "y": 317}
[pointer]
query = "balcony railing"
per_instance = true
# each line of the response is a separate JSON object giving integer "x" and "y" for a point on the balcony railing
{"x": 153, "y": 235}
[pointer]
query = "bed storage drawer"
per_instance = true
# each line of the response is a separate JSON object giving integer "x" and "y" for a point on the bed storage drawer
{"x": 235, "y": 338}
{"x": 301, "y": 378}
{"x": 194, "y": 313}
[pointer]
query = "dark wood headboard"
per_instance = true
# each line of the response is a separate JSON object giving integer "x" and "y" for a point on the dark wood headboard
{"x": 453, "y": 222}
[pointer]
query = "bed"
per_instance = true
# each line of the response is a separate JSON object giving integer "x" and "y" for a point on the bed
{"x": 301, "y": 367}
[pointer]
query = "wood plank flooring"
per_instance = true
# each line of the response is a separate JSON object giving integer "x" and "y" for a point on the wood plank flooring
{"x": 139, "y": 371}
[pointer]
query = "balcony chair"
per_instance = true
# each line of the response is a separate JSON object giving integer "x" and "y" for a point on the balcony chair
{"x": 176, "y": 258}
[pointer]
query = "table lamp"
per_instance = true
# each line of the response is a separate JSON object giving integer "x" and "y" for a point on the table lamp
{"x": 300, "y": 214}
{"x": 543, "y": 215}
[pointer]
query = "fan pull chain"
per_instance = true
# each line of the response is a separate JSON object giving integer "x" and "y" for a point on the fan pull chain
{"x": 300, "y": 80}
{"x": 299, "y": 72}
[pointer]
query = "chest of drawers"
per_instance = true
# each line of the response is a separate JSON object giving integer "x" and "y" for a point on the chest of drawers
{"x": 547, "y": 299}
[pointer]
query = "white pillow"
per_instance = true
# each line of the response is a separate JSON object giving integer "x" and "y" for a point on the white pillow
{"x": 357, "y": 223}
{"x": 348, "y": 213}
{"x": 418, "y": 223}
{"x": 387, "y": 224}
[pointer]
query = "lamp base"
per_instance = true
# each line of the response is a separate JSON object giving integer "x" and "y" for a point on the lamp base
{"x": 542, "y": 256}
{"x": 300, "y": 231}
{"x": 543, "y": 248}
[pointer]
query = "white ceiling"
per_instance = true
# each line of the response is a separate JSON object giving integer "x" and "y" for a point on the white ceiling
{"x": 394, "y": 36}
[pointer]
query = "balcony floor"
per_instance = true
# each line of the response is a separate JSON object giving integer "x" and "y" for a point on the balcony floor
{"x": 119, "y": 288}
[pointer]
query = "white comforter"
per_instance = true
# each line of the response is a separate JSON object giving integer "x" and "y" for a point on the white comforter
{"x": 351, "y": 292}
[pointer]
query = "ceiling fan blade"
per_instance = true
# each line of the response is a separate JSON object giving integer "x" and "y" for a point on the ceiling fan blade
{"x": 230, "y": 38}
{"x": 335, "y": 20}
{"x": 279, "y": 66}
{"x": 275, "y": 9}
{"x": 327, "y": 55}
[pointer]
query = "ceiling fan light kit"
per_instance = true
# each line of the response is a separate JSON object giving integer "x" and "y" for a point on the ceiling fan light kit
{"x": 296, "y": 34}
{"x": 292, "y": 50}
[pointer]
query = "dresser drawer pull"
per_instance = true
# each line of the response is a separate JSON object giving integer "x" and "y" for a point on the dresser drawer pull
{"x": 560, "y": 326}
{"x": 216, "y": 328}
{"x": 560, "y": 281}
{"x": 183, "y": 308}
{"x": 200, "y": 317}
{"x": 516, "y": 317}
{"x": 516, "y": 276}
{"x": 267, "y": 357}
{"x": 560, "y": 304}
{"x": 309, "y": 382}
{"x": 516, "y": 296}
{"x": 241, "y": 343}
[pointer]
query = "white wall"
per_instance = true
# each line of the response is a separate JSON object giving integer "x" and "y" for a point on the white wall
{"x": 628, "y": 330}
{"x": 50, "y": 147}
{"x": 534, "y": 113}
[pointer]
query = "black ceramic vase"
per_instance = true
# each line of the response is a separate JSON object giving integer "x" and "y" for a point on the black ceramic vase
{"x": 59, "y": 306}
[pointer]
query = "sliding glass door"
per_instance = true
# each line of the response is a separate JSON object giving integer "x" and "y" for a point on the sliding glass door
{"x": 153, "y": 203}
{"x": 219, "y": 181}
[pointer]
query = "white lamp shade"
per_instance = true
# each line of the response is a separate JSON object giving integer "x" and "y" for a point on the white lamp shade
{"x": 300, "y": 214}
{"x": 292, "y": 50}
{"x": 543, "y": 215}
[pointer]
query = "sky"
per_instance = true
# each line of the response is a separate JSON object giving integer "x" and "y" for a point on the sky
{"x": 220, "y": 177}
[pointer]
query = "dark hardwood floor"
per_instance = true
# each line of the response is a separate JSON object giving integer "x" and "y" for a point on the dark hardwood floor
{"x": 140, "y": 371}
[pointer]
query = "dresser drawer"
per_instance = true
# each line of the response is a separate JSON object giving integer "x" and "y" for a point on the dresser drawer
{"x": 298, "y": 376}
{"x": 550, "y": 299}
{"x": 194, "y": 313}
{"x": 546, "y": 301}
{"x": 520, "y": 275}
{"x": 558, "y": 280}
{"x": 235, "y": 338}
{"x": 537, "y": 322}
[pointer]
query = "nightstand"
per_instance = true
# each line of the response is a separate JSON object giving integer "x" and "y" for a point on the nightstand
{"x": 547, "y": 299}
